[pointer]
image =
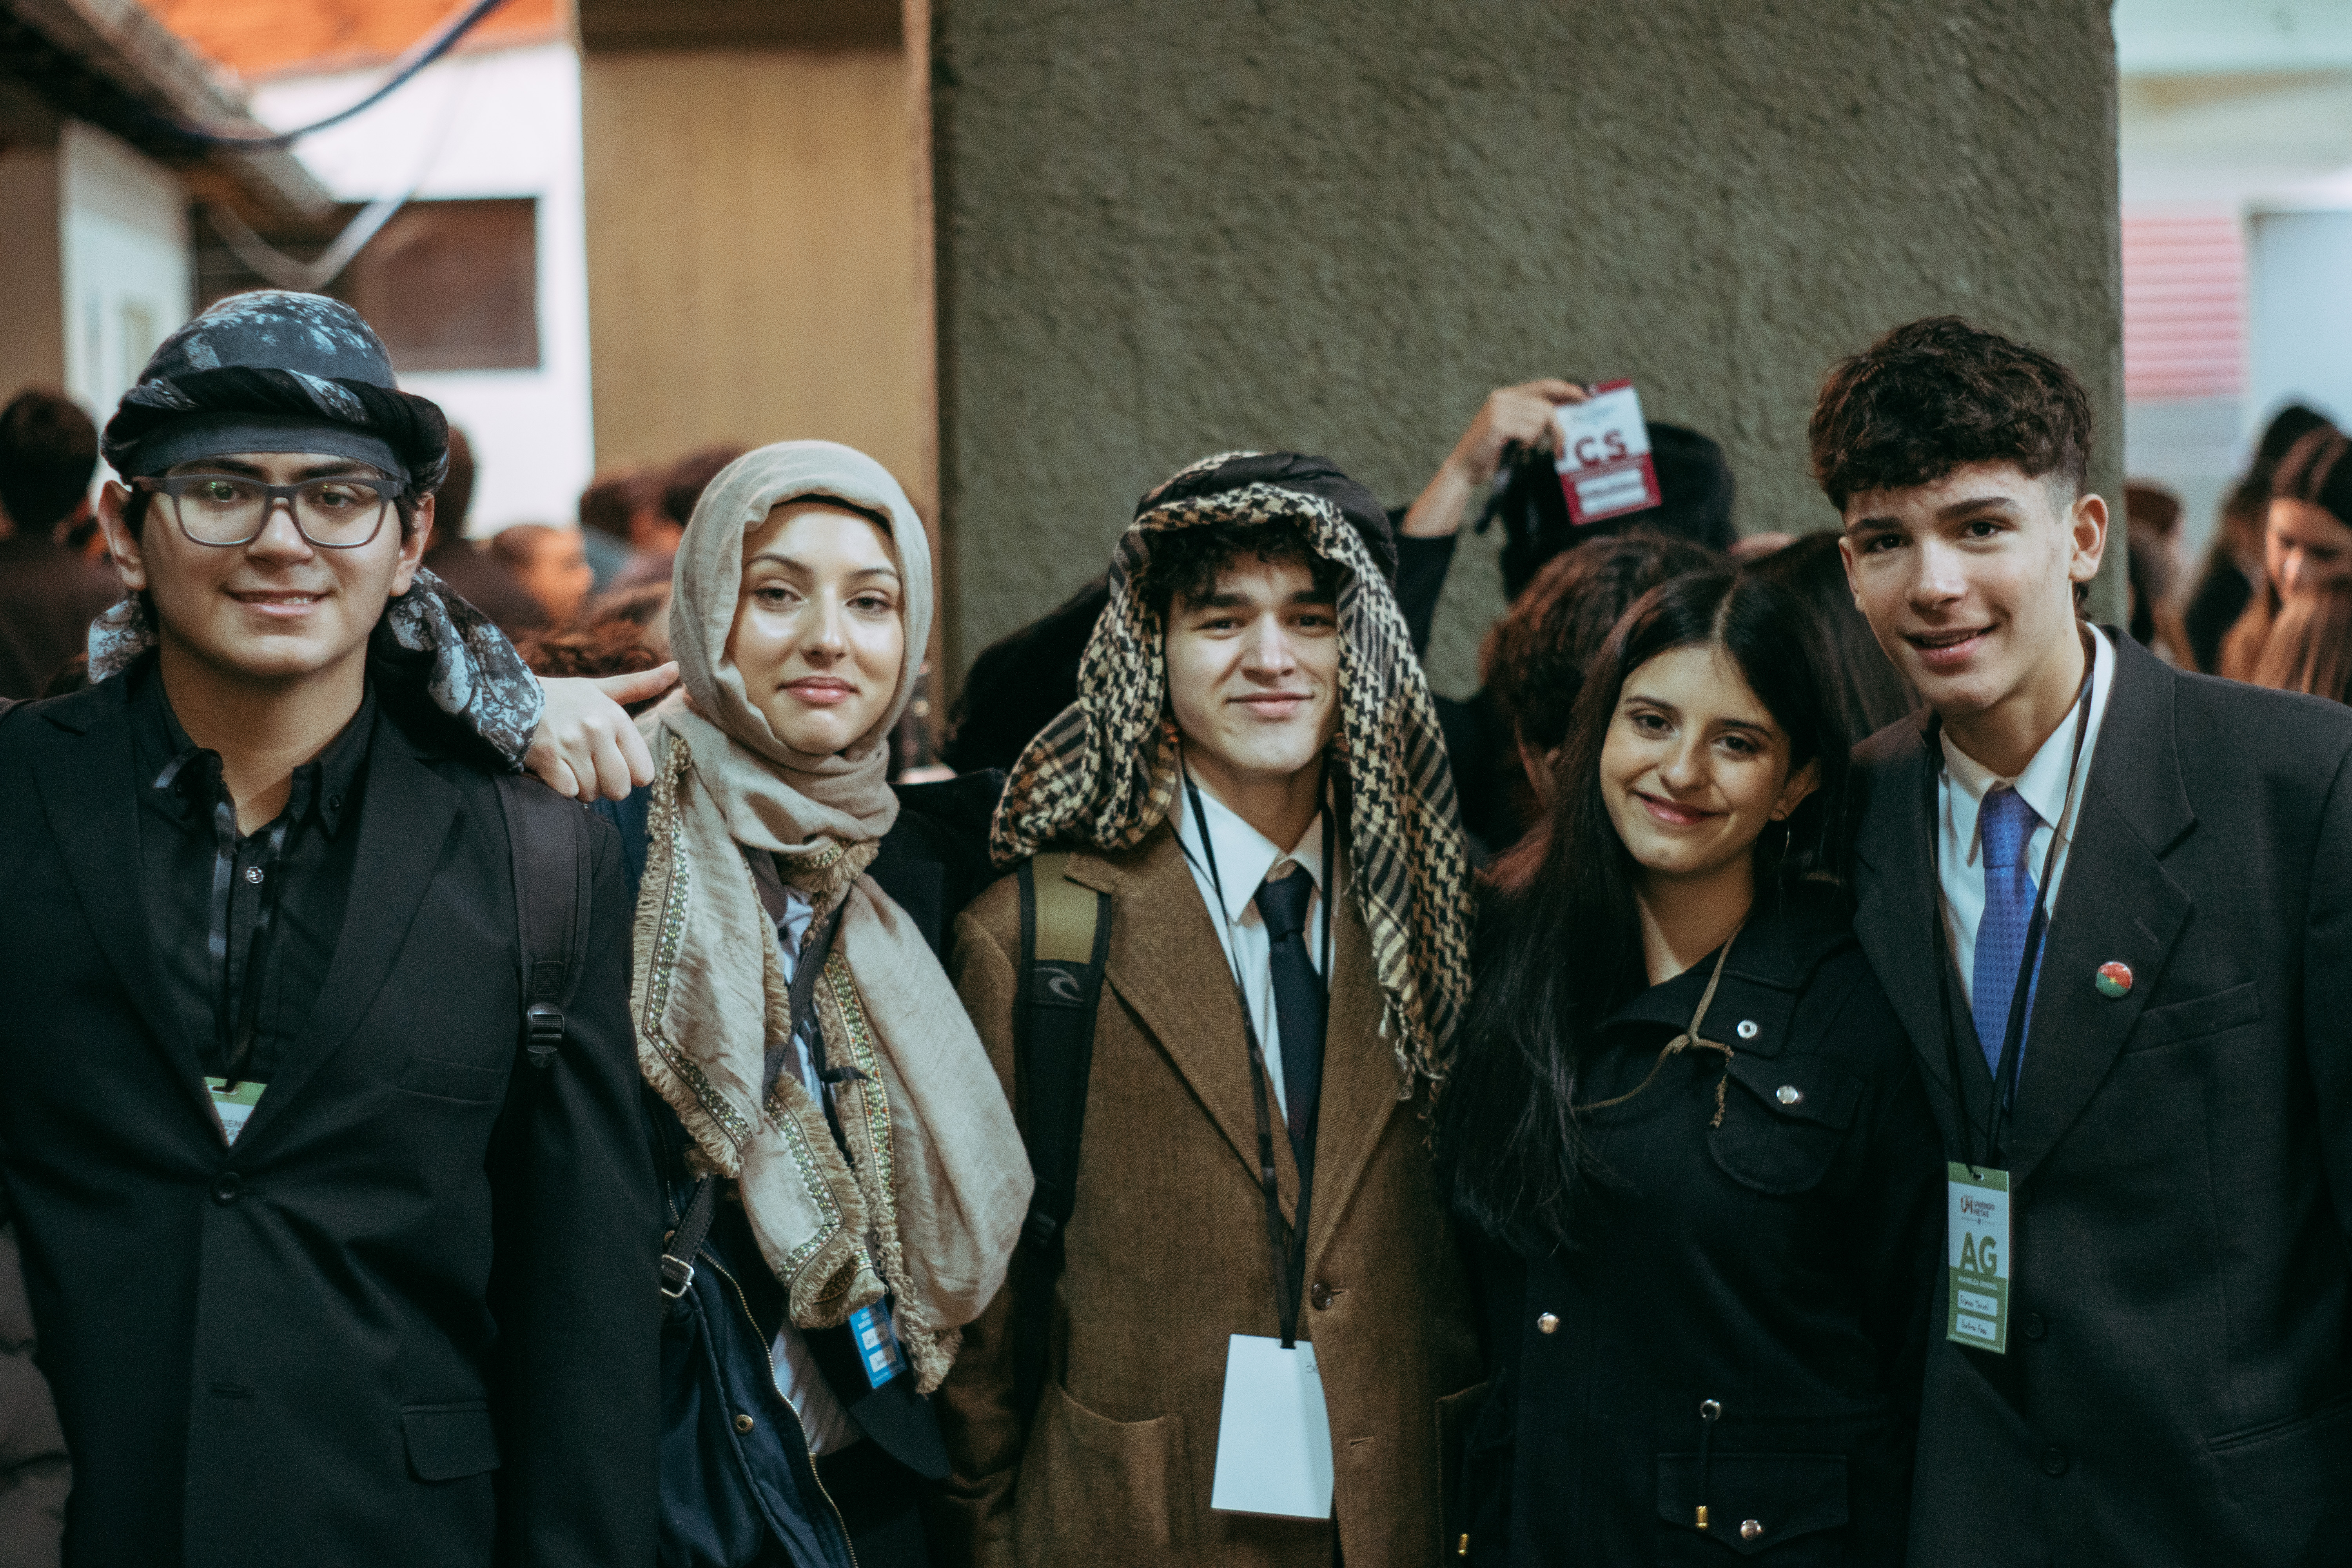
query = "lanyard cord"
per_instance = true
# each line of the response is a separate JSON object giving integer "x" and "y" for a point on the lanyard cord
{"x": 2012, "y": 1046}
{"x": 1289, "y": 1261}
{"x": 236, "y": 1025}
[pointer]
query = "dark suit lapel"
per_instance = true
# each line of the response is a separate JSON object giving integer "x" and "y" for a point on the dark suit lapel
{"x": 89, "y": 797}
{"x": 1167, "y": 965}
{"x": 1897, "y": 898}
{"x": 406, "y": 814}
{"x": 2117, "y": 903}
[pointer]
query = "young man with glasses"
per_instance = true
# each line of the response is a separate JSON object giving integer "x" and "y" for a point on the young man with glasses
{"x": 322, "y": 1269}
{"x": 2113, "y": 906}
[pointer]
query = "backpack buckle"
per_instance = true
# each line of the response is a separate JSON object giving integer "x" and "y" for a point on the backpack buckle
{"x": 542, "y": 1033}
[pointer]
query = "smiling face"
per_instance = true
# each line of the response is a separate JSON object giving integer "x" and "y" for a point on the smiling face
{"x": 2306, "y": 549}
{"x": 1968, "y": 584}
{"x": 820, "y": 635}
{"x": 1693, "y": 765}
{"x": 1254, "y": 676}
{"x": 279, "y": 608}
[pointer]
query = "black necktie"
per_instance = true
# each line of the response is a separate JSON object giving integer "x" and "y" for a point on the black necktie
{"x": 1299, "y": 1003}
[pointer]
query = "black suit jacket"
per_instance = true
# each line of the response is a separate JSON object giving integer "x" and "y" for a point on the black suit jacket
{"x": 412, "y": 1316}
{"x": 2178, "y": 1387}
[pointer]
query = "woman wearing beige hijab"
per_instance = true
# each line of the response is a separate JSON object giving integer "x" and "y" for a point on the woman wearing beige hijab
{"x": 847, "y": 1183}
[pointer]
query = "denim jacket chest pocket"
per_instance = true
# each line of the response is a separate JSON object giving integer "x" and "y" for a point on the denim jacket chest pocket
{"x": 1784, "y": 1120}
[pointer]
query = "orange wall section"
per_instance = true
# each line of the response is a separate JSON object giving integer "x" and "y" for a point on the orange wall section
{"x": 258, "y": 38}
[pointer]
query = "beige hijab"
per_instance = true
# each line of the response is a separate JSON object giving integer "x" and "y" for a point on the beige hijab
{"x": 930, "y": 1203}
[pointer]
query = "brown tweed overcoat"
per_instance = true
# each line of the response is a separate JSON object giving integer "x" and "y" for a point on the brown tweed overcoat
{"x": 1167, "y": 1255}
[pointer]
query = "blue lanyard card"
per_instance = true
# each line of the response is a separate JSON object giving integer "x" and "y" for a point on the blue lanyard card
{"x": 877, "y": 1347}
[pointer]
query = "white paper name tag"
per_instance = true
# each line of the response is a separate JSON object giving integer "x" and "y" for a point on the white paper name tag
{"x": 1604, "y": 454}
{"x": 1274, "y": 1435}
{"x": 1977, "y": 1231}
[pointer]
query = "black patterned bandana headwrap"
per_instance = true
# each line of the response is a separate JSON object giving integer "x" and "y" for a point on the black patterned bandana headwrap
{"x": 1105, "y": 773}
{"x": 277, "y": 371}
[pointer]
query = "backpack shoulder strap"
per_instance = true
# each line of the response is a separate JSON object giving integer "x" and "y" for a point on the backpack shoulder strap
{"x": 548, "y": 837}
{"x": 1065, "y": 941}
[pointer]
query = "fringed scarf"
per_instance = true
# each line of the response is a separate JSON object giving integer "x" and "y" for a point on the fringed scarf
{"x": 1105, "y": 773}
{"x": 930, "y": 1200}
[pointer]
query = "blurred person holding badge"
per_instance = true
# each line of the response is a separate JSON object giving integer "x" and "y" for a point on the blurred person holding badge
{"x": 1218, "y": 988}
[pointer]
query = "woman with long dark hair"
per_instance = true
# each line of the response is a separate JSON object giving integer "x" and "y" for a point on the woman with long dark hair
{"x": 1686, "y": 1128}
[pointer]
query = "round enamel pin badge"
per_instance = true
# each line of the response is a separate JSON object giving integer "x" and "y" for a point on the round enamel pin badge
{"x": 2115, "y": 979}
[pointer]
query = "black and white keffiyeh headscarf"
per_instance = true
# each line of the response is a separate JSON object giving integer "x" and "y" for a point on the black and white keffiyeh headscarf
{"x": 1105, "y": 773}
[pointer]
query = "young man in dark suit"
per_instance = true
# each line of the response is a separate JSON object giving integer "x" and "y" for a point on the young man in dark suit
{"x": 322, "y": 1271}
{"x": 2112, "y": 904}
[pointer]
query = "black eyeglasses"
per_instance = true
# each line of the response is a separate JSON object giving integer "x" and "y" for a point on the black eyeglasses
{"x": 227, "y": 509}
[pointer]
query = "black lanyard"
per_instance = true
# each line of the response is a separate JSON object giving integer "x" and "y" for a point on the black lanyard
{"x": 236, "y": 1025}
{"x": 2012, "y": 1044}
{"x": 1290, "y": 1260}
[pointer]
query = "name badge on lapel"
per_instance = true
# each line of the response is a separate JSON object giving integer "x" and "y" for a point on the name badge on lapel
{"x": 1977, "y": 1232}
{"x": 1274, "y": 1434}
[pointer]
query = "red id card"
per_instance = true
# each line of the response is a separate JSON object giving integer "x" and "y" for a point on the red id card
{"x": 1604, "y": 454}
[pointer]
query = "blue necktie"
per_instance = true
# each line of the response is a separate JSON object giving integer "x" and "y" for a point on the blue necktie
{"x": 2006, "y": 822}
{"x": 1298, "y": 1004}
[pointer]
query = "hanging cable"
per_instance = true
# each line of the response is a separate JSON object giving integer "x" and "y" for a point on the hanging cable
{"x": 424, "y": 54}
{"x": 283, "y": 271}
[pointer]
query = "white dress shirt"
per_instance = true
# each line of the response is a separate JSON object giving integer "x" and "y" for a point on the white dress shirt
{"x": 1246, "y": 858}
{"x": 1960, "y": 792}
{"x": 829, "y": 1425}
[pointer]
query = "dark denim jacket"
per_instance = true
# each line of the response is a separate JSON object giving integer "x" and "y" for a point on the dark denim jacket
{"x": 738, "y": 1483}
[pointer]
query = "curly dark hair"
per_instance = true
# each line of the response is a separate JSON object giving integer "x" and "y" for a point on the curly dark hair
{"x": 1185, "y": 562}
{"x": 1936, "y": 394}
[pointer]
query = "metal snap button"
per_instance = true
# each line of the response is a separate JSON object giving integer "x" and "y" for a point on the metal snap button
{"x": 1549, "y": 1323}
{"x": 1710, "y": 1409}
{"x": 1749, "y": 1529}
{"x": 1788, "y": 1094}
{"x": 744, "y": 1424}
{"x": 253, "y": 875}
{"x": 1747, "y": 1029}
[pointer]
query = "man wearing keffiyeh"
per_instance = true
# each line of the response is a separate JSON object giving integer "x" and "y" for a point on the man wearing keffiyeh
{"x": 1252, "y": 774}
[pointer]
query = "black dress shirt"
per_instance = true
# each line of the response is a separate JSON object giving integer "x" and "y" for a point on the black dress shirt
{"x": 302, "y": 888}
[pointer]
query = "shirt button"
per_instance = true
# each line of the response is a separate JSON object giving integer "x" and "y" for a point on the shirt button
{"x": 334, "y": 803}
{"x": 2053, "y": 1460}
{"x": 1549, "y": 1323}
{"x": 744, "y": 1424}
{"x": 253, "y": 875}
{"x": 227, "y": 1187}
{"x": 2034, "y": 1326}
{"x": 1321, "y": 1296}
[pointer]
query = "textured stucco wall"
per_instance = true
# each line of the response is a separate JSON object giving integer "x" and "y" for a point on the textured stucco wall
{"x": 1171, "y": 227}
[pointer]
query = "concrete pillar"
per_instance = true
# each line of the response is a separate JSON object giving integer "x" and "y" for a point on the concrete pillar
{"x": 1174, "y": 227}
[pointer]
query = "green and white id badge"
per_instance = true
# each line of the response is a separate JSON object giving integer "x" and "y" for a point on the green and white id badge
{"x": 1977, "y": 1231}
{"x": 233, "y": 1105}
